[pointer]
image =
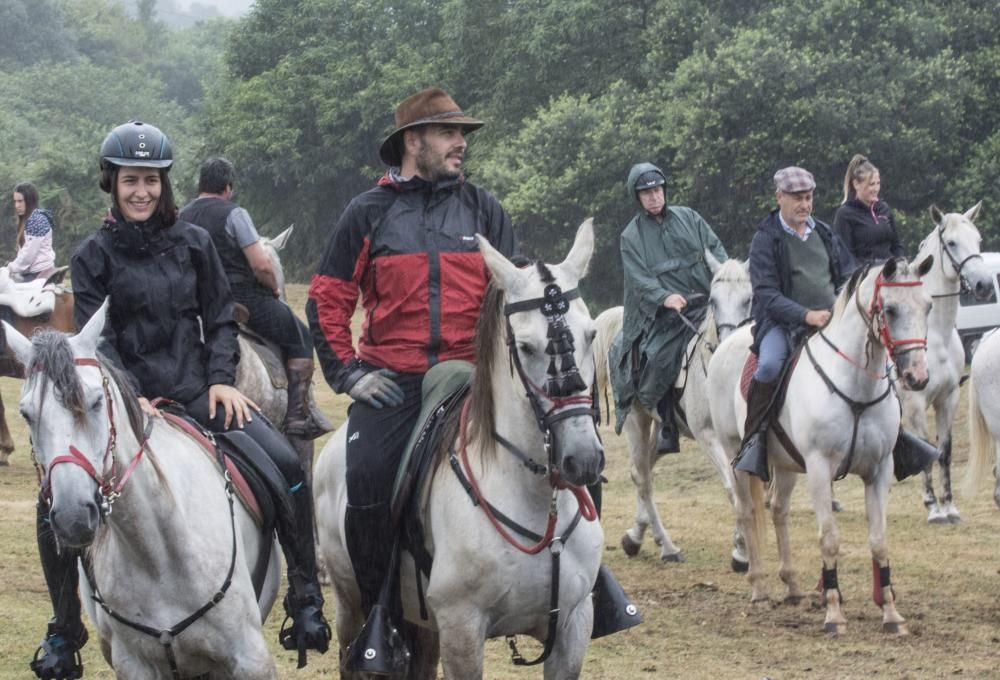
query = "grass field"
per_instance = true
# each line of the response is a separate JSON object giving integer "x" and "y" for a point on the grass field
{"x": 699, "y": 622}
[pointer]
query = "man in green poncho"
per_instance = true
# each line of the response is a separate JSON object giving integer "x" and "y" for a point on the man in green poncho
{"x": 663, "y": 256}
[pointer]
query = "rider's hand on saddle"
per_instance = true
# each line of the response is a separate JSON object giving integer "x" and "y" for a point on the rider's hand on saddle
{"x": 675, "y": 301}
{"x": 234, "y": 404}
{"x": 817, "y": 317}
{"x": 148, "y": 408}
{"x": 377, "y": 389}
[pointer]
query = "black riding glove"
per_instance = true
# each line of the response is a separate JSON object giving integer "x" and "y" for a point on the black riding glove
{"x": 377, "y": 389}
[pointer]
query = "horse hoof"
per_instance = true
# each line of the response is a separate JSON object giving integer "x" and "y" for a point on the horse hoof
{"x": 761, "y": 603}
{"x": 894, "y": 628}
{"x": 630, "y": 547}
{"x": 834, "y": 629}
{"x": 835, "y": 504}
{"x": 674, "y": 557}
{"x": 793, "y": 600}
{"x": 954, "y": 519}
{"x": 739, "y": 566}
{"x": 937, "y": 517}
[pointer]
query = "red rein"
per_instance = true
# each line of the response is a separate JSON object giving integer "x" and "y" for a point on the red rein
{"x": 587, "y": 509}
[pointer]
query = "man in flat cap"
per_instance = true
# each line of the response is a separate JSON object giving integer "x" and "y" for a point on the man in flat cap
{"x": 666, "y": 271}
{"x": 408, "y": 247}
{"x": 796, "y": 266}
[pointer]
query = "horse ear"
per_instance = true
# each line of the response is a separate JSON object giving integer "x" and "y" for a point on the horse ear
{"x": 87, "y": 339}
{"x": 18, "y": 344}
{"x": 972, "y": 213}
{"x": 936, "y": 215}
{"x": 504, "y": 272}
{"x": 281, "y": 239}
{"x": 925, "y": 266}
{"x": 713, "y": 265}
{"x": 889, "y": 270}
{"x": 583, "y": 247}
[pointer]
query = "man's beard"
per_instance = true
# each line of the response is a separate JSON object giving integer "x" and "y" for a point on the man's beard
{"x": 432, "y": 168}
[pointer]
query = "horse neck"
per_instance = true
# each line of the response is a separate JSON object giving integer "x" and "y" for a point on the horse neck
{"x": 942, "y": 287}
{"x": 850, "y": 333}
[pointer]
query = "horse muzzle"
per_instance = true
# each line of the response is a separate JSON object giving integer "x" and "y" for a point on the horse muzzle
{"x": 912, "y": 368}
{"x": 76, "y": 525}
{"x": 583, "y": 468}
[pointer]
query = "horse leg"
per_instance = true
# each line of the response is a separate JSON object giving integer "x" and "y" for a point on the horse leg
{"x": 876, "y": 501}
{"x": 424, "y": 646}
{"x": 570, "y": 649}
{"x": 6, "y": 441}
{"x": 783, "y": 484}
{"x": 640, "y": 433}
{"x": 749, "y": 508}
{"x": 461, "y": 631}
{"x": 915, "y": 419}
{"x": 252, "y": 662}
{"x": 818, "y": 480}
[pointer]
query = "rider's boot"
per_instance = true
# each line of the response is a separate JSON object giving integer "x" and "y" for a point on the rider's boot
{"x": 301, "y": 419}
{"x": 613, "y": 611}
{"x": 304, "y": 600}
{"x": 667, "y": 439}
{"x": 912, "y": 455}
{"x": 58, "y": 656}
{"x": 752, "y": 456}
{"x": 379, "y": 648}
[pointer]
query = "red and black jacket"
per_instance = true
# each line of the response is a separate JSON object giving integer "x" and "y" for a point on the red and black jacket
{"x": 409, "y": 249}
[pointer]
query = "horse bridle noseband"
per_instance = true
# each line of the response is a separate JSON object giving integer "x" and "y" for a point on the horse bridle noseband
{"x": 109, "y": 489}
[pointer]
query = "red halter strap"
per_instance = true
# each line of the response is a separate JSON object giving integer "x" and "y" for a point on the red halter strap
{"x": 875, "y": 308}
{"x": 108, "y": 483}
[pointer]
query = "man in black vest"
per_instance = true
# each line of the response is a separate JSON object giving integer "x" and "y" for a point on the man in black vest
{"x": 255, "y": 286}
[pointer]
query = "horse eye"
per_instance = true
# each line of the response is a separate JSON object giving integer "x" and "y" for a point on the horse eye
{"x": 890, "y": 310}
{"x": 952, "y": 244}
{"x": 526, "y": 349}
{"x": 96, "y": 404}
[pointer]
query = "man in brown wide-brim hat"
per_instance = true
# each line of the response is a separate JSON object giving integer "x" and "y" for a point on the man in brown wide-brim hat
{"x": 408, "y": 247}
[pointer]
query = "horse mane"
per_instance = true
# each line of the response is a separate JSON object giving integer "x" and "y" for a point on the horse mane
{"x": 857, "y": 276}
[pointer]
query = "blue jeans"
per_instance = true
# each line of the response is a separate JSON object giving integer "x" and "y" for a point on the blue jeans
{"x": 774, "y": 349}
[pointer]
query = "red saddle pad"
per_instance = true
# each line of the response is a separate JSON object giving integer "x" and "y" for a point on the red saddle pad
{"x": 749, "y": 368}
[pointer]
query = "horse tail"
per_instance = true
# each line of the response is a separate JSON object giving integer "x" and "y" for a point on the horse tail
{"x": 980, "y": 443}
{"x": 759, "y": 524}
{"x": 608, "y": 324}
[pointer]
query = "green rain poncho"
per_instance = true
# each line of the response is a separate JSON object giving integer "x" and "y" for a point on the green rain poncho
{"x": 658, "y": 260}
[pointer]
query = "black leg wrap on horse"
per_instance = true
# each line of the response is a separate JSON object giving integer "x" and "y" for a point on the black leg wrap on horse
{"x": 304, "y": 600}
{"x": 912, "y": 455}
{"x": 613, "y": 610}
{"x": 58, "y": 655}
{"x": 828, "y": 581}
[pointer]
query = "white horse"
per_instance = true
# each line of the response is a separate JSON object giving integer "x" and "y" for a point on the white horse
{"x": 984, "y": 416}
{"x": 842, "y": 415}
{"x": 730, "y": 296}
{"x": 481, "y": 585}
{"x": 955, "y": 244}
{"x": 175, "y": 543}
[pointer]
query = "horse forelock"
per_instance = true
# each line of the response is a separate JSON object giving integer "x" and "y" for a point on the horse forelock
{"x": 732, "y": 270}
{"x": 52, "y": 364}
{"x": 855, "y": 279}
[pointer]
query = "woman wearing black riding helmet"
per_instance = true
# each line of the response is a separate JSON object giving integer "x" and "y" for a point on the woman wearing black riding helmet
{"x": 170, "y": 329}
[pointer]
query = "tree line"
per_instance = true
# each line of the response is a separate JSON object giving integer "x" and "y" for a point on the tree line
{"x": 719, "y": 93}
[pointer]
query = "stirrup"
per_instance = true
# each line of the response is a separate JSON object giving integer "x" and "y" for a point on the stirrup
{"x": 912, "y": 455}
{"x": 60, "y": 657}
{"x": 379, "y": 648}
{"x": 613, "y": 611}
{"x": 306, "y": 428}
{"x": 667, "y": 441}
{"x": 308, "y": 628}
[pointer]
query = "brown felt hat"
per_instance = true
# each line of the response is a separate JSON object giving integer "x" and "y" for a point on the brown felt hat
{"x": 432, "y": 105}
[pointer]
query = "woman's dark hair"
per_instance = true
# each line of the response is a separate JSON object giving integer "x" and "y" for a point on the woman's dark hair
{"x": 30, "y": 195}
{"x": 166, "y": 207}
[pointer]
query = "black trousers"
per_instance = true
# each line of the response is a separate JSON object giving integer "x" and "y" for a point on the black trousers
{"x": 276, "y": 321}
{"x": 375, "y": 442}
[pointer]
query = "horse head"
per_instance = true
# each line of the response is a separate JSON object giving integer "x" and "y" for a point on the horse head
{"x": 730, "y": 293}
{"x": 898, "y": 312}
{"x": 957, "y": 244}
{"x": 549, "y": 338}
{"x": 272, "y": 246}
{"x": 65, "y": 403}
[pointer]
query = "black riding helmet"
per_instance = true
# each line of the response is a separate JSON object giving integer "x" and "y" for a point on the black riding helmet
{"x": 136, "y": 144}
{"x": 648, "y": 180}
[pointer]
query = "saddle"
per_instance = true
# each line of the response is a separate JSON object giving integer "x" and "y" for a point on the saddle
{"x": 778, "y": 401}
{"x": 253, "y": 481}
{"x": 29, "y": 299}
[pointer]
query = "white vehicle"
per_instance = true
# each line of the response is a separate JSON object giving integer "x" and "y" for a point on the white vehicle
{"x": 975, "y": 317}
